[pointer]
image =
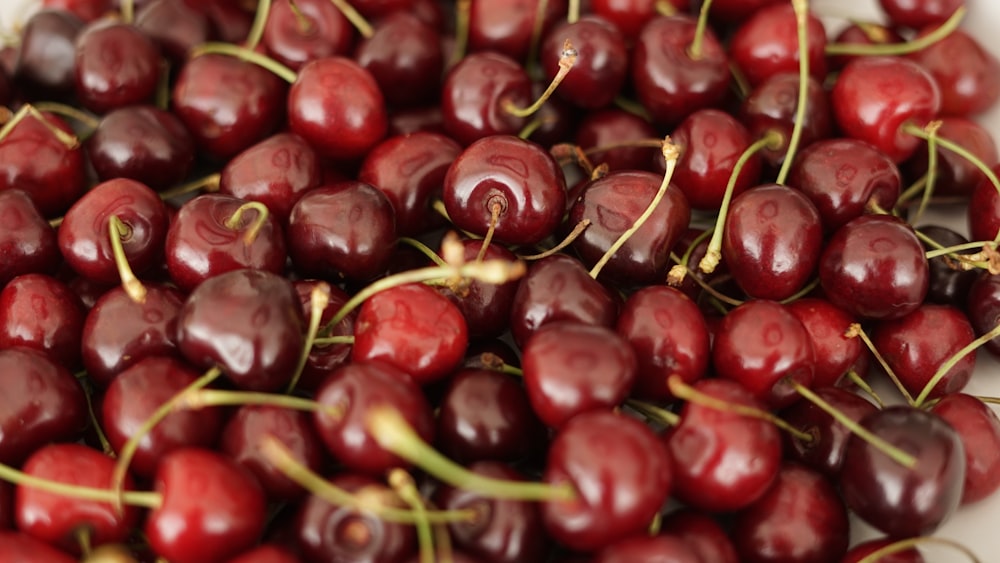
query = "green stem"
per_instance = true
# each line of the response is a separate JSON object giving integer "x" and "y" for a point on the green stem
{"x": 694, "y": 50}
{"x": 332, "y": 340}
{"x": 653, "y": 412}
{"x": 68, "y": 140}
{"x": 259, "y": 23}
{"x": 319, "y": 298}
{"x": 132, "y": 498}
{"x": 864, "y": 386}
{"x": 403, "y": 484}
{"x": 424, "y": 249}
{"x": 117, "y": 231}
{"x": 235, "y": 221}
{"x": 944, "y": 368}
{"x": 900, "y": 48}
{"x": 856, "y": 330}
{"x": 802, "y": 27}
{"x": 567, "y": 59}
{"x": 462, "y": 10}
{"x": 209, "y": 183}
{"x": 353, "y": 16}
{"x": 242, "y": 53}
{"x": 932, "y": 165}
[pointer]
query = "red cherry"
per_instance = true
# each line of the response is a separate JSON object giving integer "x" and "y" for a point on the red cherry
{"x": 771, "y": 108}
{"x": 702, "y": 533}
{"x": 405, "y": 57}
{"x": 600, "y": 70}
{"x": 46, "y": 60}
{"x": 116, "y": 66}
{"x": 314, "y": 30}
{"x": 612, "y": 126}
{"x": 18, "y": 547}
{"x": 474, "y": 93}
{"x": 175, "y": 27}
{"x": 919, "y": 13}
{"x": 40, "y": 312}
{"x": 825, "y": 451}
{"x": 27, "y": 242}
{"x": 505, "y": 26}
{"x": 979, "y": 429}
{"x": 966, "y": 73}
{"x": 668, "y": 549}
{"x": 958, "y": 176}
{"x": 827, "y": 326}
{"x": 767, "y": 44}
{"x": 485, "y": 306}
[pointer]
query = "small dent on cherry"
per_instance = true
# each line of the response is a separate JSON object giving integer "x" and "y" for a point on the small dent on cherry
{"x": 281, "y": 159}
{"x": 882, "y": 244}
{"x": 767, "y": 211}
{"x": 846, "y": 174}
{"x": 772, "y": 334}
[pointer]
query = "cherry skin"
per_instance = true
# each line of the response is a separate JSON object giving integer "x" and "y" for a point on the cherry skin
{"x": 948, "y": 286}
{"x": 612, "y": 126}
{"x": 116, "y": 66}
{"x": 516, "y": 180}
{"x": 702, "y": 533}
{"x": 621, "y": 474}
{"x": 917, "y": 14}
{"x": 86, "y": 10}
{"x": 57, "y": 518}
{"x": 46, "y": 55}
{"x": 600, "y": 71}
{"x": 984, "y": 211}
{"x": 317, "y": 29}
{"x": 630, "y": 15}
{"x": 767, "y": 44}
{"x": 247, "y": 322}
{"x": 668, "y": 549}
{"x": 506, "y": 26}
{"x": 42, "y": 313}
{"x": 772, "y": 241}
{"x": 474, "y": 92}
{"x": 405, "y": 57}
{"x": 221, "y": 506}
{"x": 957, "y": 176}
{"x": 979, "y": 429}
{"x": 825, "y": 451}
{"x": 771, "y": 107}
{"x": 867, "y": 33}
{"x": 827, "y": 325}
{"x": 324, "y": 358}
{"x": 27, "y": 242}
{"x": 266, "y": 553}
{"x": 896, "y": 500}
{"x": 484, "y": 306}
{"x": 983, "y": 308}
{"x": 874, "y": 267}
{"x": 18, "y": 547}
{"x": 175, "y": 27}
{"x": 42, "y": 403}
{"x": 337, "y": 107}
{"x": 709, "y": 443}
{"x": 875, "y": 96}
{"x": 965, "y": 72}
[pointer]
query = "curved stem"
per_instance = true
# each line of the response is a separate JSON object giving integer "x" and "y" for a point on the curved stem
{"x": 573, "y": 235}
{"x": 235, "y": 221}
{"x": 950, "y": 363}
{"x": 653, "y": 412}
{"x": 855, "y": 330}
{"x": 864, "y": 386}
{"x": 209, "y": 183}
{"x": 932, "y": 165}
{"x": 71, "y": 112}
{"x": 495, "y": 210}
{"x": 566, "y": 61}
{"x": 259, "y": 23}
{"x": 118, "y": 230}
{"x": 403, "y": 484}
{"x": 537, "y": 28}
{"x": 680, "y": 270}
{"x": 306, "y": 26}
{"x": 951, "y": 250}
{"x": 424, "y": 249}
{"x": 319, "y": 298}
{"x": 802, "y": 27}
{"x": 242, "y": 53}
{"x": 900, "y": 48}
{"x": 132, "y": 498}
{"x": 68, "y": 140}
{"x": 353, "y": 16}
{"x": 694, "y": 50}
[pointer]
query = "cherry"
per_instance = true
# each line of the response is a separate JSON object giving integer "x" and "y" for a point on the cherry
{"x": 984, "y": 211}
{"x": 800, "y": 518}
{"x": 40, "y": 312}
{"x": 42, "y": 403}
{"x": 874, "y": 267}
{"x": 667, "y": 549}
{"x": 956, "y": 175}
{"x": 266, "y": 553}
{"x": 27, "y": 242}
{"x": 620, "y": 471}
{"x": 59, "y": 519}
{"x": 506, "y": 26}
{"x": 506, "y": 185}
{"x": 766, "y": 44}
{"x": 983, "y": 308}
{"x": 898, "y": 500}
{"x": 474, "y": 95}
{"x": 825, "y": 451}
{"x": 324, "y": 358}
{"x": 874, "y": 97}
{"x": 772, "y": 105}
{"x": 46, "y": 60}
{"x": 405, "y": 57}
{"x": 702, "y": 534}
{"x": 343, "y": 230}
{"x": 948, "y": 286}
{"x": 612, "y": 126}
{"x": 965, "y": 72}
{"x": 116, "y": 66}
{"x": 919, "y": 13}
{"x": 175, "y": 27}
{"x": 18, "y": 547}
{"x": 863, "y": 33}
{"x": 722, "y": 461}
{"x": 843, "y": 176}
{"x": 314, "y": 29}
{"x": 484, "y": 306}
{"x": 827, "y": 326}
{"x": 979, "y": 429}
{"x": 601, "y": 71}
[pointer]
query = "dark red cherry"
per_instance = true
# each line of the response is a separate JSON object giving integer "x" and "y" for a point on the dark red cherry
{"x": 979, "y": 429}
{"x": 506, "y": 26}
{"x": 862, "y": 550}
{"x": 6, "y": 506}
{"x": 965, "y": 72}
{"x": 474, "y": 94}
{"x": 18, "y": 547}
{"x": 620, "y": 472}
{"x": 958, "y": 176}
{"x": 630, "y": 15}
{"x": 948, "y": 286}
{"x": 874, "y": 97}
{"x": 983, "y": 308}
{"x": 324, "y": 358}
{"x": 600, "y": 69}
{"x": 247, "y": 322}
{"x": 220, "y": 504}
{"x": 46, "y": 56}
{"x": 135, "y": 394}
{"x": 703, "y": 534}
{"x": 824, "y": 452}
{"x": 484, "y": 306}
{"x": 801, "y": 518}
{"x": 313, "y": 30}
{"x": 57, "y": 518}
{"x": 772, "y": 241}
{"x": 767, "y": 44}
{"x": 116, "y": 66}
{"x": 175, "y": 27}
{"x": 27, "y": 242}
{"x": 842, "y": 176}
{"x": 919, "y": 13}
{"x": 404, "y": 55}
{"x": 984, "y": 211}
{"x": 42, "y": 402}
{"x": 669, "y": 336}
{"x": 266, "y": 553}
{"x": 709, "y": 443}
{"x": 827, "y": 326}
{"x": 772, "y": 105}
{"x": 665, "y": 548}
{"x": 342, "y": 230}
{"x": 613, "y": 126}
{"x": 42, "y": 313}
{"x": 338, "y": 108}
{"x": 514, "y": 180}
{"x": 118, "y": 332}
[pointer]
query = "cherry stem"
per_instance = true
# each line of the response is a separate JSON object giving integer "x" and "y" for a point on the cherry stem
{"x": 705, "y": 286}
{"x": 403, "y": 484}
{"x": 353, "y": 16}
{"x": 235, "y": 221}
{"x": 462, "y": 10}
{"x": 496, "y": 208}
{"x": 670, "y": 153}
{"x": 204, "y": 398}
{"x": 875, "y": 32}
{"x": 128, "y": 11}
{"x": 855, "y": 330}
{"x": 665, "y": 8}
{"x": 932, "y": 166}
{"x": 573, "y": 13}
{"x": 161, "y": 98}
{"x": 899, "y": 48}
{"x": 950, "y": 363}
{"x": 688, "y": 393}
{"x": 567, "y": 59}
{"x": 640, "y": 143}
{"x": 987, "y": 258}
{"x": 82, "y": 535}
{"x": 565, "y": 153}
{"x": 71, "y": 112}
{"x": 909, "y": 543}
{"x": 989, "y": 400}
{"x": 740, "y": 82}
{"x": 653, "y": 412}
{"x": 305, "y": 23}
{"x": 87, "y": 395}
{"x": 69, "y": 140}
{"x": 896, "y": 454}
{"x": 806, "y": 290}
{"x": 573, "y": 235}
{"x": 333, "y": 340}
{"x": 633, "y": 107}
{"x": 537, "y": 28}
{"x": 119, "y": 231}
{"x": 393, "y": 433}
{"x": 801, "y": 8}
{"x": 209, "y": 183}
{"x": 494, "y": 362}
{"x": 694, "y": 50}
{"x": 680, "y": 270}
{"x": 319, "y": 298}
{"x": 713, "y": 254}
{"x": 250, "y": 56}
{"x": 534, "y": 125}
{"x": 132, "y": 498}
{"x": 864, "y": 386}
{"x": 129, "y": 449}
{"x": 424, "y": 249}
{"x": 914, "y": 188}
{"x": 259, "y": 23}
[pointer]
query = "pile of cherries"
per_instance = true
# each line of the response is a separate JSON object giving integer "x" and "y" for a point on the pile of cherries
{"x": 321, "y": 281}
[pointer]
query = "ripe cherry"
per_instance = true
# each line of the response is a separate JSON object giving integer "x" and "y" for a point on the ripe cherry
{"x": 46, "y": 55}
{"x": 766, "y": 44}
{"x": 404, "y": 55}
{"x": 825, "y": 451}
{"x": 979, "y": 429}
{"x": 116, "y": 66}
{"x": 506, "y": 26}
{"x": 175, "y": 27}
{"x": 702, "y": 533}
{"x": 18, "y": 547}
{"x": 965, "y": 72}
{"x": 42, "y": 313}
{"x": 648, "y": 548}
{"x": 827, "y": 326}
{"x": 771, "y": 108}
{"x": 314, "y": 29}
{"x": 918, "y": 14}
{"x": 484, "y": 306}
{"x": 612, "y": 126}
{"x": 957, "y": 175}
{"x": 474, "y": 95}
{"x": 948, "y": 286}
{"x": 600, "y": 72}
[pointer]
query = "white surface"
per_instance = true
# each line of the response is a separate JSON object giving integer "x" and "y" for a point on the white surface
{"x": 974, "y": 526}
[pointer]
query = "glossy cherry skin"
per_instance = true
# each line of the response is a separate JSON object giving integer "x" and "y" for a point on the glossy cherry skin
{"x": 227, "y": 104}
{"x": 957, "y": 176}
{"x": 874, "y": 267}
{"x": 505, "y": 530}
{"x": 983, "y": 308}
{"x": 413, "y": 328}
{"x": 518, "y": 176}
{"x": 409, "y": 169}
{"x": 558, "y": 288}
{"x": 46, "y": 54}
{"x": 916, "y": 345}
{"x": 875, "y": 96}
{"x": 722, "y": 461}
{"x": 665, "y": 548}
{"x": 484, "y": 306}
{"x": 841, "y": 176}
{"x": 600, "y": 69}
{"x": 964, "y": 70}
{"x": 266, "y": 553}
{"x": 984, "y": 211}
{"x": 771, "y": 107}
{"x": 338, "y": 534}
{"x": 800, "y": 518}
{"x": 27, "y": 242}
{"x": 767, "y": 44}
{"x": 142, "y": 143}
{"x": 42, "y": 403}
{"x": 827, "y": 325}
{"x": 899, "y": 501}
{"x": 979, "y": 429}
{"x": 84, "y": 238}
{"x": 702, "y": 533}
{"x": 337, "y": 107}
{"x": 175, "y": 27}
{"x": 506, "y": 26}
{"x": 322, "y": 31}
{"x": 116, "y": 66}
{"x": 772, "y": 241}
{"x": 34, "y": 160}
{"x": 343, "y": 230}
{"x": 42, "y": 313}
{"x": 474, "y": 92}
{"x": 199, "y": 245}
{"x": 118, "y": 332}
{"x": 247, "y": 322}
{"x": 212, "y": 508}
{"x": 948, "y": 286}
{"x": 486, "y": 415}
{"x": 621, "y": 474}
{"x": 18, "y": 547}
{"x": 358, "y": 388}
{"x": 405, "y": 57}
{"x": 611, "y": 126}
{"x": 630, "y": 15}
{"x": 860, "y": 551}
{"x": 919, "y": 13}
{"x": 667, "y": 81}
{"x": 711, "y": 141}
{"x": 612, "y": 204}
{"x": 55, "y": 518}
{"x": 825, "y": 451}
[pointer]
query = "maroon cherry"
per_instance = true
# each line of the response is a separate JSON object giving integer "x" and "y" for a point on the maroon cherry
{"x": 484, "y": 306}
{"x": 984, "y": 211}
{"x": 175, "y": 27}
{"x": 767, "y": 44}
{"x": 738, "y": 10}
{"x": 40, "y": 312}
{"x": 612, "y": 126}
{"x": 600, "y": 72}
{"x": 827, "y": 326}
{"x": 825, "y": 451}
{"x": 948, "y": 286}
{"x": 116, "y": 66}
{"x": 771, "y": 108}
{"x": 404, "y": 55}
{"x": 324, "y": 358}
{"x": 18, "y": 547}
{"x": 314, "y": 29}
{"x": 983, "y": 308}
{"x": 46, "y": 56}
{"x": 266, "y": 553}
{"x": 630, "y": 15}
{"x": 965, "y": 72}
{"x": 665, "y": 548}
{"x": 863, "y": 33}
{"x": 27, "y": 242}
{"x": 86, "y": 10}
{"x": 979, "y": 429}
{"x": 506, "y": 26}
{"x": 917, "y": 14}
{"x": 474, "y": 95}
{"x": 702, "y": 533}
